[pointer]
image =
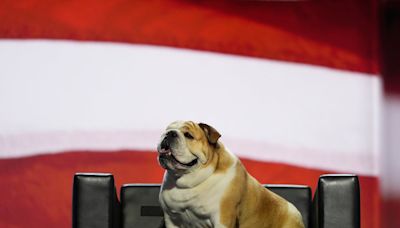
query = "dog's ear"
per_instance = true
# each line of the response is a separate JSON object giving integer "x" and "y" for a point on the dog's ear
{"x": 212, "y": 134}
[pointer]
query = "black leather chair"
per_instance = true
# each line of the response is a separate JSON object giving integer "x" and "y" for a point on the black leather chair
{"x": 336, "y": 202}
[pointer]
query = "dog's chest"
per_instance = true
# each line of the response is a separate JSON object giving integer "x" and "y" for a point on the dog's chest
{"x": 192, "y": 219}
{"x": 195, "y": 207}
{"x": 193, "y": 202}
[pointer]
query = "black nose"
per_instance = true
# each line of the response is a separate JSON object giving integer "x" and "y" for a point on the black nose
{"x": 172, "y": 134}
{"x": 166, "y": 143}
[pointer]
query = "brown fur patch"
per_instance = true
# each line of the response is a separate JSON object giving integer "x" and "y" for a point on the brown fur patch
{"x": 247, "y": 204}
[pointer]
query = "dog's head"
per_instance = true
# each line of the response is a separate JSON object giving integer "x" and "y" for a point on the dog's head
{"x": 186, "y": 146}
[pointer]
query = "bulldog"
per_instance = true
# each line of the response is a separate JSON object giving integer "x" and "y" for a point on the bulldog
{"x": 207, "y": 186}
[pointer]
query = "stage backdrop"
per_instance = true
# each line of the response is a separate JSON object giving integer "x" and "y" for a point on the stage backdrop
{"x": 293, "y": 87}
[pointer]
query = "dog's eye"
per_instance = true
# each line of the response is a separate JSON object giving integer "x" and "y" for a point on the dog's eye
{"x": 188, "y": 135}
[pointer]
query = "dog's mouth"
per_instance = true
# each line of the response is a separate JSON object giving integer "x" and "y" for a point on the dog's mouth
{"x": 167, "y": 154}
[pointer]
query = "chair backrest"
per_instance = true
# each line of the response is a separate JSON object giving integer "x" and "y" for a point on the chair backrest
{"x": 336, "y": 202}
{"x": 141, "y": 208}
{"x": 299, "y": 196}
{"x": 95, "y": 202}
{"x": 140, "y": 205}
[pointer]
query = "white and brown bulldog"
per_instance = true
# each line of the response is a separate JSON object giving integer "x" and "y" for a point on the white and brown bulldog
{"x": 207, "y": 186}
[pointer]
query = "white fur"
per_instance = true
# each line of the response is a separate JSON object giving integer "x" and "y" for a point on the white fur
{"x": 194, "y": 199}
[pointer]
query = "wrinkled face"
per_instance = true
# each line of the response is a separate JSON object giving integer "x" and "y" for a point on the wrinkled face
{"x": 185, "y": 146}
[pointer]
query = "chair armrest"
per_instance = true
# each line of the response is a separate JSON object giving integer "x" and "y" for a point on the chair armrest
{"x": 337, "y": 202}
{"x": 95, "y": 203}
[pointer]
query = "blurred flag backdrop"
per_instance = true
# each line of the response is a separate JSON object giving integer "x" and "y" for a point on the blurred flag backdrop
{"x": 88, "y": 86}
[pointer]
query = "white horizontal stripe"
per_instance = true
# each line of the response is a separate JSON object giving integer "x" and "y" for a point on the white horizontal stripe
{"x": 54, "y": 142}
{"x": 67, "y": 87}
